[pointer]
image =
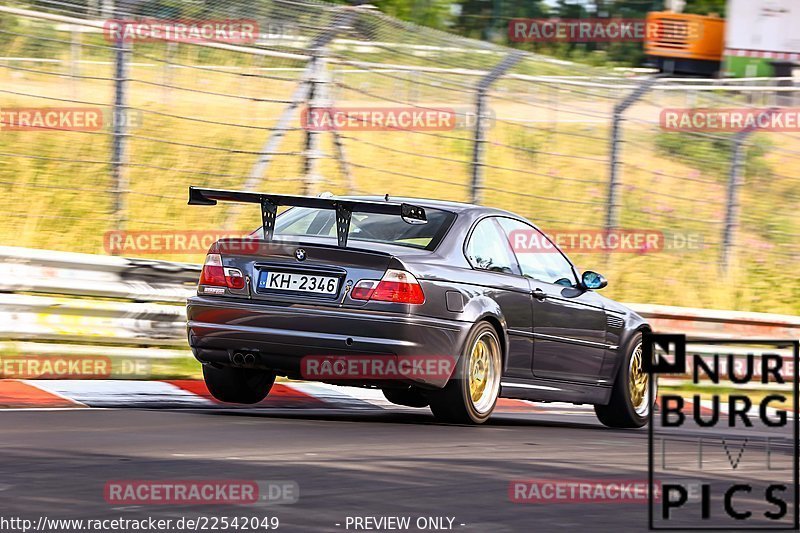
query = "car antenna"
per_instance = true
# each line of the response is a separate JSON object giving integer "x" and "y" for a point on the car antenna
{"x": 386, "y": 197}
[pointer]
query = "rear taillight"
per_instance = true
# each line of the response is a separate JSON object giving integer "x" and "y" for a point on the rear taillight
{"x": 234, "y": 278}
{"x": 213, "y": 273}
{"x": 396, "y": 286}
{"x": 216, "y": 275}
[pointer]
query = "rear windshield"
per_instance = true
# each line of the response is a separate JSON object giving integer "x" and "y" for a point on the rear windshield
{"x": 370, "y": 227}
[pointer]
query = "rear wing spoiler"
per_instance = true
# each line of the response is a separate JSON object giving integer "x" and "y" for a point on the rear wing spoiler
{"x": 344, "y": 208}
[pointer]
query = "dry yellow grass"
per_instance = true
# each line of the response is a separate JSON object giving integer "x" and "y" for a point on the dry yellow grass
{"x": 546, "y": 162}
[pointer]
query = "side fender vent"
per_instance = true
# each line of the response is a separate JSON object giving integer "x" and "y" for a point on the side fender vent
{"x": 614, "y": 322}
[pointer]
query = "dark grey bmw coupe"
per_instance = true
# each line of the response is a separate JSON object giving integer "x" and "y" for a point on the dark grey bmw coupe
{"x": 429, "y": 301}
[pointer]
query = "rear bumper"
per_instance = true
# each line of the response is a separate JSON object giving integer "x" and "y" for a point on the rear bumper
{"x": 281, "y": 335}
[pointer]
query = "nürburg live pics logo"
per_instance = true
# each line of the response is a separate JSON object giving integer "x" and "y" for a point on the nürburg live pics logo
{"x": 723, "y": 439}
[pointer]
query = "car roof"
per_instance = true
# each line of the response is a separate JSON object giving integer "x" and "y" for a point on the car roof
{"x": 445, "y": 205}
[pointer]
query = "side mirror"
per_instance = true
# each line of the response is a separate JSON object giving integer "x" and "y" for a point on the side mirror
{"x": 593, "y": 280}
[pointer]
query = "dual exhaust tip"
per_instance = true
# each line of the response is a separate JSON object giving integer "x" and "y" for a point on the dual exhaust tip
{"x": 243, "y": 359}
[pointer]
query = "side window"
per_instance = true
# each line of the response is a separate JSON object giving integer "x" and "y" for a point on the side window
{"x": 488, "y": 248}
{"x": 538, "y": 257}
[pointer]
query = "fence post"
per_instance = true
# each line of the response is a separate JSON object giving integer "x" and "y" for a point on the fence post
{"x": 267, "y": 151}
{"x": 613, "y": 199}
{"x": 166, "y": 76}
{"x": 119, "y": 139}
{"x": 341, "y": 21}
{"x": 735, "y": 180}
{"x": 74, "y": 58}
{"x": 479, "y": 138}
{"x": 414, "y": 85}
{"x": 341, "y": 155}
{"x": 317, "y": 99}
{"x": 338, "y": 138}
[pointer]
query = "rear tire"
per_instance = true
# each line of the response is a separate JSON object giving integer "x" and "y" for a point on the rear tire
{"x": 629, "y": 406}
{"x": 471, "y": 394}
{"x": 238, "y": 385}
{"x": 409, "y": 397}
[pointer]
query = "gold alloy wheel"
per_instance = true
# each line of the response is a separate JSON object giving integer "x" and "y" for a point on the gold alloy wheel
{"x": 484, "y": 372}
{"x": 638, "y": 383}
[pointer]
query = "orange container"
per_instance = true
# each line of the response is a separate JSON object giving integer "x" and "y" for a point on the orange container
{"x": 684, "y": 36}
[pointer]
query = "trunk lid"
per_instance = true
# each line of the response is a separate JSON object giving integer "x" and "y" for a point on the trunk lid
{"x": 305, "y": 272}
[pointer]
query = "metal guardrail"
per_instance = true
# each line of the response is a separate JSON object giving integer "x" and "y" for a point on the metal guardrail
{"x": 717, "y": 324}
{"x": 73, "y": 274}
{"x": 722, "y": 325}
{"x": 78, "y": 304}
{"x": 81, "y": 304}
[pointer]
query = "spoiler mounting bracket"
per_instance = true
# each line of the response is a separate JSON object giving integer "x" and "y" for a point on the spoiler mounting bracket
{"x": 343, "y": 216}
{"x": 269, "y": 211}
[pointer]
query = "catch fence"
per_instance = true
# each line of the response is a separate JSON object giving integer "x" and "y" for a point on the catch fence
{"x": 581, "y": 151}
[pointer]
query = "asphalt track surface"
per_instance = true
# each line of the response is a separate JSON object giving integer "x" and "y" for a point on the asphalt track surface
{"x": 368, "y": 463}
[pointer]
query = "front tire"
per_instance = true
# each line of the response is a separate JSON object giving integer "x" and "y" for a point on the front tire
{"x": 629, "y": 406}
{"x": 471, "y": 394}
{"x": 238, "y": 385}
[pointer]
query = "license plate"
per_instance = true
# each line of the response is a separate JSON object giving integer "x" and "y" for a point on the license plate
{"x": 293, "y": 282}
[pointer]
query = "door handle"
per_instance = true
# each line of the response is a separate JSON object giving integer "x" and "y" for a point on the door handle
{"x": 539, "y": 294}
